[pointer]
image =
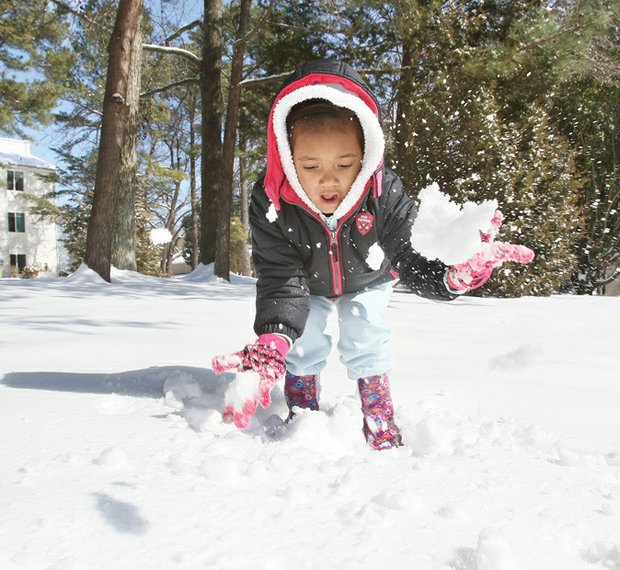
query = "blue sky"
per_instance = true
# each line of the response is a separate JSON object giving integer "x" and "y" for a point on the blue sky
{"x": 180, "y": 13}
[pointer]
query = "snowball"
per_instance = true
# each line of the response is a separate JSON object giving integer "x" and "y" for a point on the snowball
{"x": 160, "y": 236}
{"x": 446, "y": 231}
{"x": 243, "y": 388}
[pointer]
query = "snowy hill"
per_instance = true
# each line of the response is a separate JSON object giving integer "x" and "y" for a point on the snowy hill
{"x": 114, "y": 454}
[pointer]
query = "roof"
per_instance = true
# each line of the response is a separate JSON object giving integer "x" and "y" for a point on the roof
{"x": 22, "y": 159}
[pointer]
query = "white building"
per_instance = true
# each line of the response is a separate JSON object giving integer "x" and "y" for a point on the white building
{"x": 25, "y": 240}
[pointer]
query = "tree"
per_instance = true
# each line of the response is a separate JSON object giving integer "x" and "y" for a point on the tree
{"x": 33, "y": 62}
{"x": 564, "y": 57}
{"x": 117, "y": 143}
{"x": 217, "y": 156}
{"x": 483, "y": 134}
{"x": 164, "y": 200}
{"x": 222, "y": 250}
{"x": 124, "y": 231}
{"x": 589, "y": 113}
{"x": 211, "y": 131}
{"x": 587, "y": 110}
{"x": 78, "y": 117}
{"x": 541, "y": 205}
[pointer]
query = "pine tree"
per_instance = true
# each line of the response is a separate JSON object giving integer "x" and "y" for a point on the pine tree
{"x": 33, "y": 62}
{"x": 564, "y": 57}
{"x": 462, "y": 127}
{"x": 540, "y": 204}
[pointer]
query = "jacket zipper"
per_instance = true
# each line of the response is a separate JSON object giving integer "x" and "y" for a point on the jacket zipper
{"x": 334, "y": 252}
{"x": 333, "y": 249}
{"x": 335, "y": 261}
{"x": 336, "y": 270}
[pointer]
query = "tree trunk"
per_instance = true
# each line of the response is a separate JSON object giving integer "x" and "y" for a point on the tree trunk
{"x": 195, "y": 214}
{"x": 405, "y": 102}
{"x": 246, "y": 266}
{"x": 211, "y": 106}
{"x": 116, "y": 112}
{"x": 222, "y": 250}
{"x": 124, "y": 235}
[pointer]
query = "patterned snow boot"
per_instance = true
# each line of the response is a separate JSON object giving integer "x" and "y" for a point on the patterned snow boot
{"x": 301, "y": 391}
{"x": 380, "y": 430}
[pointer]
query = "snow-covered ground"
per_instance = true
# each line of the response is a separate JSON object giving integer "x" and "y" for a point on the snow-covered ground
{"x": 113, "y": 453}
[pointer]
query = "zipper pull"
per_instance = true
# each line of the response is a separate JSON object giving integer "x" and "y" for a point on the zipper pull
{"x": 334, "y": 246}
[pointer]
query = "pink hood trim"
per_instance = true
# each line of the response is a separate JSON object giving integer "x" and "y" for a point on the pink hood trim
{"x": 276, "y": 183}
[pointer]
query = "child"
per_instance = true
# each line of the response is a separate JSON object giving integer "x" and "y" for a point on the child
{"x": 331, "y": 229}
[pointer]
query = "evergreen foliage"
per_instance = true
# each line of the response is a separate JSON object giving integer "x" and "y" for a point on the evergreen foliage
{"x": 482, "y": 117}
{"x": 33, "y": 62}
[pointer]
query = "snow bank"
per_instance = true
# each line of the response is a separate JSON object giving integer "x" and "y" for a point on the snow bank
{"x": 84, "y": 275}
{"x": 206, "y": 274}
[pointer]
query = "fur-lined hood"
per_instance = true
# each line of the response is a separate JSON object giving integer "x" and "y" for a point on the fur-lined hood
{"x": 340, "y": 84}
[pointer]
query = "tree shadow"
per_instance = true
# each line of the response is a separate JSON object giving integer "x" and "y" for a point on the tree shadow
{"x": 148, "y": 382}
{"x": 195, "y": 394}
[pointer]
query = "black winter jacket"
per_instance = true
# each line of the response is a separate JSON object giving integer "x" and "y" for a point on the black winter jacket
{"x": 294, "y": 252}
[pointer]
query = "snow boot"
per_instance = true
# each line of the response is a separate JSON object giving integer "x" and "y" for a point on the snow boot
{"x": 301, "y": 391}
{"x": 379, "y": 427}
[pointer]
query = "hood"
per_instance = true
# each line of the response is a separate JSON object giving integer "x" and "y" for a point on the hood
{"x": 340, "y": 84}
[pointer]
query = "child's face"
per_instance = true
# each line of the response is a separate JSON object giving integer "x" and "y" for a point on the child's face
{"x": 327, "y": 160}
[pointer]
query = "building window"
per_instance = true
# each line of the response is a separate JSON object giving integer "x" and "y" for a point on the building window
{"x": 15, "y": 180}
{"x": 18, "y": 262}
{"x": 17, "y": 222}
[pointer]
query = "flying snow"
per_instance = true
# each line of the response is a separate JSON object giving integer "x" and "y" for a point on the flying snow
{"x": 447, "y": 231}
{"x": 272, "y": 214}
{"x": 160, "y": 236}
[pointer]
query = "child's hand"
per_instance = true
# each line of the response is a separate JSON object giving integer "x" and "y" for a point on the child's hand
{"x": 476, "y": 271}
{"x": 245, "y": 393}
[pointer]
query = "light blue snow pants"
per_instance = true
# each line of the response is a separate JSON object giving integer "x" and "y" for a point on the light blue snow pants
{"x": 363, "y": 339}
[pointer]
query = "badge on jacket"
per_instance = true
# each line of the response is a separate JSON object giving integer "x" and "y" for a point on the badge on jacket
{"x": 364, "y": 222}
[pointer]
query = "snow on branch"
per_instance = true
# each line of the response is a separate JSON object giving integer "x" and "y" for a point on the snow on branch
{"x": 262, "y": 80}
{"x": 172, "y": 50}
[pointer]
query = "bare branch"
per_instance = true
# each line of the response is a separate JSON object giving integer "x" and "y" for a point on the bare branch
{"x": 182, "y": 30}
{"x": 172, "y": 50}
{"x": 259, "y": 27}
{"x": 607, "y": 280}
{"x": 73, "y": 11}
{"x": 252, "y": 82}
{"x": 194, "y": 80}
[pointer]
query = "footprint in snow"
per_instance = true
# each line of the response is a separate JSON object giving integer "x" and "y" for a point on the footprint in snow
{"x": 522, "y": 357}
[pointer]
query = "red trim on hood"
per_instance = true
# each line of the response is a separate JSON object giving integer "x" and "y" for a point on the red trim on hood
{"x": 276, "y": 184}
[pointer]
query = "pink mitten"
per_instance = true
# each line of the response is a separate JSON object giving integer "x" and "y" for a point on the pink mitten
{"x": 266, "y": 359}
{"x": 476, "y": 271}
